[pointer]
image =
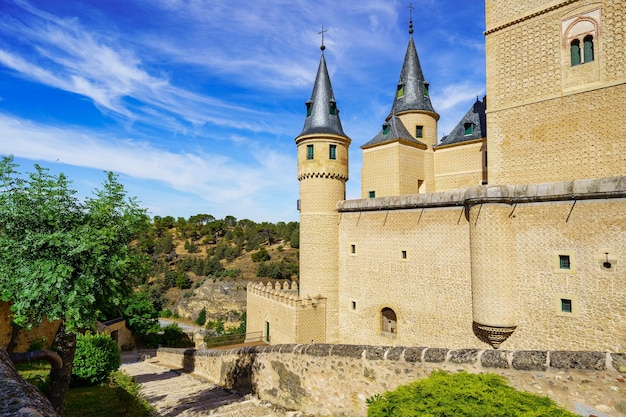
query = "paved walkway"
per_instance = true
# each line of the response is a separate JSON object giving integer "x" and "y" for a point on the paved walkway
{"x": 175, "y": 394}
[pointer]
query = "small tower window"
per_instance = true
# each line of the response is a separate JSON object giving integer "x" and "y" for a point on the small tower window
{"x": 419, "y": 131}
{"x": 309, "y": 108}
{"x": 400, "y": 91}
{"x": 566, "y": 305}
{"x": 469, "y": 128}
{"x": 588, "y": 48}
{"x": 564, "y": 262}
{"x": 575, "y": 52}
{"x": 309, "y": 152}
{"x": 353, "y": 249}
{"x": 426, "y": 84}
{"x": 333, "y": 108}
{"x": 386, "y": 129}
{"x": 372, "y": 194}
{"x": 332, "y": 152}
{"x": 403, "y": 254}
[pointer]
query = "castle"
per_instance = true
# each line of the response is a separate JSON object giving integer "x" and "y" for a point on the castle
{"x": 509, "y": 232}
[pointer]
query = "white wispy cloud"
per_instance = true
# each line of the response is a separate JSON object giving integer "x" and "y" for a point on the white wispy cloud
{"x": 208, "y": 176}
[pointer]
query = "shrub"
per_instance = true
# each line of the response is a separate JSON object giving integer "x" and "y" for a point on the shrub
{"x": 261, "y": 255}
{"x": 97, "y": 355}
{"x": 174, "y": 336}
{"x": 464, "y": 395}
{"x": 201, "y": 319}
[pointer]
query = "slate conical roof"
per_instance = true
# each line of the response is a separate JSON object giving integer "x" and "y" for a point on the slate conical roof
{"x": 412, "y": 90}
{"x": 322, "y": 112}
{"x": 393, "y": 130}
{"x": 472, "y": 126}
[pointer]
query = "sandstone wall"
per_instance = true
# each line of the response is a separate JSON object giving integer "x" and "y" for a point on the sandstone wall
{"x": 337, "y": 379}
{"x": 44, "y": 333}
{"x": 488, "y": 254}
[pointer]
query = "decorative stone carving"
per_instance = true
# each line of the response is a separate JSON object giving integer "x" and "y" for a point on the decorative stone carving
{"x": 491, "y": 335}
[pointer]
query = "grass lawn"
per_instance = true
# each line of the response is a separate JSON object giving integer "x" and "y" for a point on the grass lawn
{"x": 119, "y": 397}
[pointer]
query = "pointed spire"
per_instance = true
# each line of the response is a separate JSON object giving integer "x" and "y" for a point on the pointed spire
{"x": 321, "y": 108}
{"x": 412, "y": 90}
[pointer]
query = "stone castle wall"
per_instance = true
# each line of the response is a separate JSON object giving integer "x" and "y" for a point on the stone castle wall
{"x": 488, "y": 255}
{"x": 336, "y": 380}
{"x": 458, "y": 167}
{"x": 550, "y": 120}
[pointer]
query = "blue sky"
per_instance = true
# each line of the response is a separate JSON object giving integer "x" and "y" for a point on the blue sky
{"x": 196, "y": 103}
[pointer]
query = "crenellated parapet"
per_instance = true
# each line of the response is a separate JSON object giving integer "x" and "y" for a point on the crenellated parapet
{"x": 285, "y": 293}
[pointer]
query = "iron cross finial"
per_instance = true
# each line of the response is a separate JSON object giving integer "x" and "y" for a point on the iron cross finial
{"x": 322, "y": 33}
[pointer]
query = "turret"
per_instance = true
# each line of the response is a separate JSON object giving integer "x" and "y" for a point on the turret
{"x": 399, "y": 159}
{"x": 322, "y": 172}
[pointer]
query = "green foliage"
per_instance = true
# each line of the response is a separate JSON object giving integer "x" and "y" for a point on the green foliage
{"x": 141, "y": 315}
{"x": 277, "y": 270}
{"x": 164, "y": 244}
{"x": 212, "y": 266}
{"x": 166, "y": 313}
{"x": 261, "y": 255}
{"x": 182, "y": 280}
{"x": 170, "y": 278}
{"x": 117, "y": 397}
{"x": 215, "y": 327}
{"x": 173, "y": 336}
{"x": 463, "y": 395}
{"x": 37, "y": 344}
{"x": 97, "y": 355}
{"x": 201, "y": 319}
{"x": 191, "y": 247}
{"x": 294, "y": 240}
{"x": 61, "y": 258}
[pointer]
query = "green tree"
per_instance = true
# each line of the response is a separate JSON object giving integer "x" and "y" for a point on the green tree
{"x": 201, "y": 319}
{"x": 141, "y": 315}
{"x": 182, "y": 281}
{"x": 65, "y": 259}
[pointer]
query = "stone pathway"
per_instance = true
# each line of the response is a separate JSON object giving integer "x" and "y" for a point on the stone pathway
{"x": 174, "y": 394}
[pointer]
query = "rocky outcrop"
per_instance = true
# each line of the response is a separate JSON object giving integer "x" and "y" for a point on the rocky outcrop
{"x": 222, "y": 299}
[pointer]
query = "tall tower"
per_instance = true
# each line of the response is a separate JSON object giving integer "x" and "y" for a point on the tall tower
{"x": 399, "y": 159}
{"x": 322, "y": 172}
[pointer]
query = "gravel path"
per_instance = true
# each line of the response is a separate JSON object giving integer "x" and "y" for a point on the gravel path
{"x": 173, "y": 393}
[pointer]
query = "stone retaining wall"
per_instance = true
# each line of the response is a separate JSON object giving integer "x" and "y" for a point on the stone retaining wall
{"x": 336, "y": 380}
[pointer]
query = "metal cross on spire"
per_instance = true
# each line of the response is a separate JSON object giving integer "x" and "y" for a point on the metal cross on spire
{"x": 322, "y": 33}
{"x": 410, "y": 7}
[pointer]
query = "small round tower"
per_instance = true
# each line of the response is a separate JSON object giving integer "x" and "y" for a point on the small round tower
{"x": 322, "y": 172}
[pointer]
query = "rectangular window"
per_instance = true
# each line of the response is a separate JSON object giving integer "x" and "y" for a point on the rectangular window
{"x": 566, "y": 305}
{"x": 354, "y": 305}
{"x": 332, "y": 152}
{"x": 403, "y": 254}
{"x": 352, "y": 248}
{"x": 400, "y": 91}
{"x": 372, "y": 194}
{"x": 564, "y": 262}
{"x": 419, "y": 131}
{"x": 332, "y": 108}
{"x": 469, "y": 128}
{"x": 309, "y": 152}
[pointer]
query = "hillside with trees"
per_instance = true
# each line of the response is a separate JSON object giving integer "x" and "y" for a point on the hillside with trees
{"x": 200, "y": 266}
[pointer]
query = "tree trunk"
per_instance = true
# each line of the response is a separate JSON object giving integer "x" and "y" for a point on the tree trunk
{"x": 65, "y": 346}
{"x": 15, "y": 332}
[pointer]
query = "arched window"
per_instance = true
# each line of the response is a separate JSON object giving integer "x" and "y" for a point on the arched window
{"x": 388, "y": 321}
{"x": 588, "y": 48}
{"x": 575, "y": 52}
